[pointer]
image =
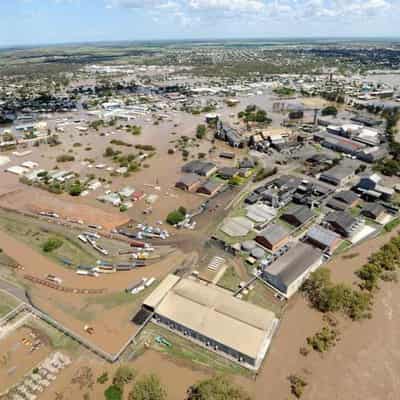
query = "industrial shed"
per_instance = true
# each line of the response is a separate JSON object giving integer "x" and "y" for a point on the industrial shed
{"x": 298, "y": 216}
{"x": 323, "y": 238}
{"x": 347, "y": 197}
{"x": 237, "y": 226}
{"x": 212, "y": 317}
{"x": 343, "y": 223}
{"x": 337, "y": 175}
{"x": 273, "y": 237}
{"x": 261, "y": 213}
{"x": 290, "y": 270}
{"x": 373, "y": 210}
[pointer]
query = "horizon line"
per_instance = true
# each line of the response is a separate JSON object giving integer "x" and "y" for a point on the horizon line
{"x": 193, "y": 39}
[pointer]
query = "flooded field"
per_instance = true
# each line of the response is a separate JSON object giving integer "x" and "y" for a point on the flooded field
{"x": 108, "y": 314}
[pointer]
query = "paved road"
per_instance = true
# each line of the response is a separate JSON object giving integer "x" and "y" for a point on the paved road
{"x": 14, "y": 290}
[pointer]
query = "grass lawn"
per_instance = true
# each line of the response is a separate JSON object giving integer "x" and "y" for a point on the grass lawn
{"x": 262, "y": 296}
{"x": 186, "y": 350}
{"x": 342, "y": 247}
{"x": 112, "y": 300}
{"x": 355, "y": 211}
{"x": 392, "y": 225}
{"x": 35, "y": 233}
{"x": 230, "y": 280}
{"x": 232, "y": 240}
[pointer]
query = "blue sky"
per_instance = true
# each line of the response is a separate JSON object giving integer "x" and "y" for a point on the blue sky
{"x": 56, "y": 21}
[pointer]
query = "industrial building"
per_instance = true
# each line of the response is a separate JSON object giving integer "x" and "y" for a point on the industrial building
{"x": 323, "y": 238}
{"x": 213, "y": 318}
{"x": 338, "y": 175}
{"x": 289, "y": 271}
{"x": 273, "y": 237}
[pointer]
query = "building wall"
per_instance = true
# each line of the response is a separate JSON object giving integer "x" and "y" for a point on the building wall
{"x": 291, "y": 289}
{"x": 322, "y": 246}
{"x": 205, "y": 341}
{"x": 295, "y": 286}
{"x": 273, "y": 247}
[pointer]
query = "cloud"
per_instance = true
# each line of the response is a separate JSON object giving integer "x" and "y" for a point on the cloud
{"x": 209, "y": 11}
{"x": 227, "y": 5}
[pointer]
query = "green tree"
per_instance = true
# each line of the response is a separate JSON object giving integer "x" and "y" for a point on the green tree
{"x": 113, "y": 392}
{"x": 148, "y": 388}
{"x": 217, "y": 388}
{"x": 75, "y": 189}
{"x": 124, "y": 375}
{"x": 175, "y": 217}
{"x": 201, "y": 131}
{"x": 51, "y": 245}
{"x": 330, "y": 110}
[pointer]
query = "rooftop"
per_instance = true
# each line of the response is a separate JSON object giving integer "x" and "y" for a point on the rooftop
{"x": 275, "y": 233}
{"x": 322, "y": 235}
{"x": 294, "y": 263}
{"x": 215, "y": 313}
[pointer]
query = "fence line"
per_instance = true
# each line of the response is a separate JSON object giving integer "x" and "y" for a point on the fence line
{"x": 82, "y": 341}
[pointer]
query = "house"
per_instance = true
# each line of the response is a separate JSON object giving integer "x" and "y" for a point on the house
{"x": 373, "y": 210}
{"x": 323, "y": 238}
{"x": 347, "y": 197}
{"x": 273, "y": 237}
{"x": 341, "y": 222}
{"x": 246, "y": 163}
{"x": 290, "y": 270}
{"x": 198, "y": 167}
{"x": 188, "y": 182}
{"x": 298, "y": 216}
{"x": 228, "y": 172}
{"x": 209, "y": 188}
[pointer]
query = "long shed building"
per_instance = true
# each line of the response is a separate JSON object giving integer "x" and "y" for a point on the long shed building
{"x": 213, "y": 318}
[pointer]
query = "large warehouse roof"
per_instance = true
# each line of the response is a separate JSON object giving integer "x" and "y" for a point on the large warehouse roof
{"x": 294, "y": 263}
{"x": 157, "y": 295}
{"x": 216, "y": 314}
